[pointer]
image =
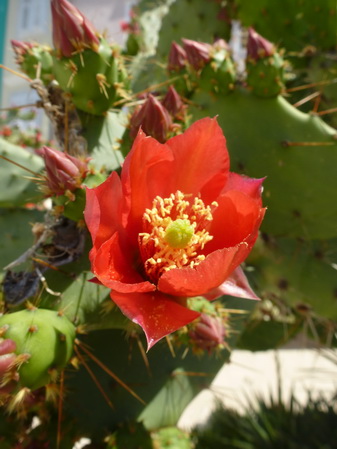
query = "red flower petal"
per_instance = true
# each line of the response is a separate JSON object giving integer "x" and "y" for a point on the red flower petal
{"x": 146, "y": 170}
{"x": 236, "y": 217}
{"x": 236, "y": 285}
{"x": 210, "y": 273}
{"x": 103, "y": 210}
{"x": 250, "y": 186}
{"x": 114, "y": 267}
{"x": 201, "y": 160}
{"x": 156, "y": 313}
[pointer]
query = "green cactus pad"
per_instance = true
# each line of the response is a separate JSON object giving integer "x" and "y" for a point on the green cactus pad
{"x": 95, "y": 80}
{"x": 297, "y": 273}
{"x": 294, "y": 25}
{"x": 46, "y": 336}
{"x": 15, "y": 187}
{"x": 15, "y": 229}
{"x": 297, "y": 152}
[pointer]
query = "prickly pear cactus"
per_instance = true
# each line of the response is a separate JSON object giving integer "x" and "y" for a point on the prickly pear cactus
{"x": 78, "y": 247}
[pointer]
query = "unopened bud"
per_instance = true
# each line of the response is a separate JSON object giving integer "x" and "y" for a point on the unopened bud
{"x": 197, "y": 53}
{"x": 173, "y": 102}
{"x": 258, "y": 47}
{"x": 177, "y": 58}
{"x": 7, "y": 365}
{"x": 64, "y": 172}
{"x": 153, "y": 118}
{"x": 208, "y": 333}
{"x": 72, "y": 31}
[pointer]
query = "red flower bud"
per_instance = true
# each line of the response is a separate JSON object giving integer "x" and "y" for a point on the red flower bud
{"x": 64, "y": 172}
{"x": 7, "y": 364}
{"x": 208, "y": 333}
{"x": 72, "y": 31}
{"x": 173, "y": 102}
{"x": 221, "y": 44}
{"x": 21, "y": 48}
{"x": 177, "y": 58}
{"x": 257, "y": 46}
{"x": 198, "y": 53}
{"x": 153, "y": 118}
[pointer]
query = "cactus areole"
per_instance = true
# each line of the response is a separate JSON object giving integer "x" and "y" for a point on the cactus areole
{"x": 177, "y": 224}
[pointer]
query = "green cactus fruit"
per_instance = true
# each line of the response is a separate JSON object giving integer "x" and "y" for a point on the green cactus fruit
{"x": 265, "y": 76}
{"x": 46, "y": 337}
{"x": 35, "y": 60}
{"x": 218, "y": 76}
{"x": 38, "y": 58}
{"x": 172, "y": 437}
{"x": 95, "y": 80}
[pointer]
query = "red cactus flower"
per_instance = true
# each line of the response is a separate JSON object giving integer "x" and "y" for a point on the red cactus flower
{"x": 72, "y": 31}
{"x": 257, "y": 46}
{"x": 176, "y": 225}
{"x": 154, "y": 119}
{"x": 198, "y": 53}
{"x": 64, "y": 172}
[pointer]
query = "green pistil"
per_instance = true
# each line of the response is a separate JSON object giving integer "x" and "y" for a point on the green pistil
{"x": 179, "y": 233}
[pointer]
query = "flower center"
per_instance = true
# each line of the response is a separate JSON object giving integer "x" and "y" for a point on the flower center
{"x": 175, "y": 233}
{"x": 179, "y": 233}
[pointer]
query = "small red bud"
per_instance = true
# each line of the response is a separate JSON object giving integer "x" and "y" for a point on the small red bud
{"x": 153, "y": 118}
{"x": 198, "y": 53}
{"x": 64, "y": 172}
{"x": 21, "y": 48}
{"x": 7, "y": 366}
{"x": 221, "y": 44}
{"x": 258, "y": 47}
{"x": 173, "y": 102}
{"x": 72, "y": 31}
{"x": 209, "y": 332}
{"x": 177, "y": 58}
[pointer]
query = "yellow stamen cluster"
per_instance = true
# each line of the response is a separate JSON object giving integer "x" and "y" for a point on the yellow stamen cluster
{"x": 175, "y": 233}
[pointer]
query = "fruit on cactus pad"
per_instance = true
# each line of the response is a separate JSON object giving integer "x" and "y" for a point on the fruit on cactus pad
{"x": 197, "y": 53}
{"x": 257, "y": 46}
{"x": 43, "y": 341}
{"x": 85, "y": 65}
{"x": 72, "y": 31}
{"x": 35, "y": 60}
{"x": 265, "y": 66}
{"x": 177, "y": 224}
